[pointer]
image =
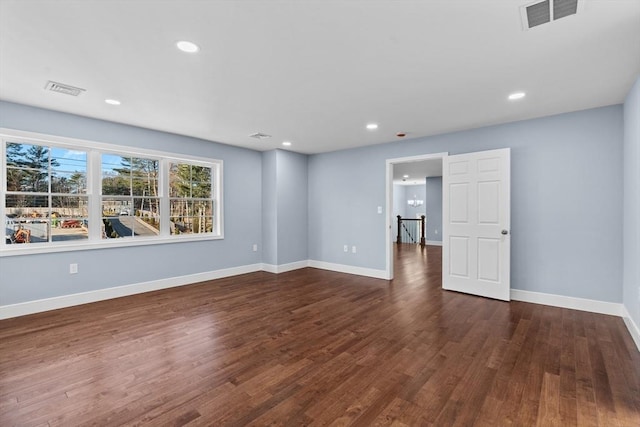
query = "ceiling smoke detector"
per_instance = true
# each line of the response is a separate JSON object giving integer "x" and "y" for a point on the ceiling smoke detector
{"x": 63, "y": 88}
{"x": 543, "y": 12}
{"x": 259, "y": 135}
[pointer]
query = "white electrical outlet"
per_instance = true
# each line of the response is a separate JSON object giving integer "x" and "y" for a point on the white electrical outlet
{"x": 436, "y": 231}
{"x": 379, "y": 209}
{"x": 346, "y": 248}
{"x": 353, "y": 249}
{"x": 255, "y": 248}
{"x": 73, "y": 268}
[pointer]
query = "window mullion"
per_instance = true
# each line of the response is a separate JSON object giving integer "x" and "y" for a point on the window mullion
{"x": 94, "y": 181}
{"x": 163, "y": 193}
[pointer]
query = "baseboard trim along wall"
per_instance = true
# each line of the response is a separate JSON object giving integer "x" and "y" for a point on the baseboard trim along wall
{"x": 602, "y": 307}
{"x": 350, "y": 269}
{"x": 434, "y": 242}
{"x": 37, "y": 306}
{"x": 634, "y": 330}
{"x": 283, "y": 268}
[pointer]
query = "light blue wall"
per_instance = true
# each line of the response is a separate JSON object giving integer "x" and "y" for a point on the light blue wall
{"x": 399, "y": 200}
{"x": 399, "y": 206}
{"x": 284, "y": 207}
{"x": 566, "y": 200}
{"x": 631, "y": 280}
{"x": 293, "y": 214}
{"x": 103, "y": 268}
{"x": 345, "y": 189}
{"x": 269, "y": 208}
{"x": 434, "y": 208}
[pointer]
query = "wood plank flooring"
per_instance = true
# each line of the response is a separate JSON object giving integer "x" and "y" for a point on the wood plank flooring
{"x": 313, "y": 347}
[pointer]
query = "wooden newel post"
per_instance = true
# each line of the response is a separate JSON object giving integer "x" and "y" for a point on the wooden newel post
{"x": 399, "y": 238}
{"x": 423, "y": 241}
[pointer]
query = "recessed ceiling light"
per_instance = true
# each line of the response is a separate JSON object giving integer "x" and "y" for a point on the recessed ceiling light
{"x": 516, "y": 95}
{"x": 286, "y": 143}
{"x": 188, "y": 47}
{"x": 372, "y": 126}
{"x": 405, "y": 176}
{"x": 112, "y": 101}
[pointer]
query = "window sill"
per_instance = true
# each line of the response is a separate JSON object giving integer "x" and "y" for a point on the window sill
{"x": 125, "y": 242}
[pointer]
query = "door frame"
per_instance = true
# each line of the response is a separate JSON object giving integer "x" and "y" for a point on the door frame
{"x": 389, "y": 202}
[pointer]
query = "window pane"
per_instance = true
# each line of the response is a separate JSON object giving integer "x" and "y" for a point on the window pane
{"x": 68, "y": 171}
{"x": 148, "y": 222}
{"x": 69, "y": 218}
{"x": 30, "y": 166}
{"x": 114, "y": 185}
{"x": 123, "y": 176}
{"x": 115, "y": 180}
{"x": 146, "y": 186}
{"x": 115, "y": 206}
{"x": 33, "y": 162}
{"x": 129, "y": 217}
{"x": 146, "y": 206}
{"x": 187, "y": 180}
{"x": 16, "y": 178}
{"x": 27, "y": 218}
{"x": 179, "y": 180}
{"x": 69, "y": 182}
{"x": 191, "y": 216}
{"x": 112, "y": 209}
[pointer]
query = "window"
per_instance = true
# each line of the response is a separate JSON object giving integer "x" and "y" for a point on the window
{"x": 130, "y": 196}
{"x": 45, "y": 200}
{"x": 191, "y": 205}
{"x": 61, "y": 194}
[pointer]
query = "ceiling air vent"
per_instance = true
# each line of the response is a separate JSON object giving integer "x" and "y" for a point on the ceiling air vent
{"x": 543, "y": 12}
{"x": 63, "y": 88}
{"x": 259, "y": 135}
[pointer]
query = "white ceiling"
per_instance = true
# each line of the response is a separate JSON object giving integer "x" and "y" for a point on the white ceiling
{"x": 417, "y": 171}
{"x": 315, "y": 72}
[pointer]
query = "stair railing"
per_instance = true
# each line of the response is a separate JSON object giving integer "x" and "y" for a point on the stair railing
{"x": 406, "y": 227}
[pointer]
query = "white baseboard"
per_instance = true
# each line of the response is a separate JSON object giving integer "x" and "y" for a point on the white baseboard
{"x": 434, "y": 242}
{"x": 602, "y": 307}
{"x": 37, "y": 306}
{"x": 631, "y": 326}
{"x": 341, "y": 268}
{"x": 283, "y": 268}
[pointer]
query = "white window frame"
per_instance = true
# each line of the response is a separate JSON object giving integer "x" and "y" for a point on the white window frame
{"x": 94, "y": 151}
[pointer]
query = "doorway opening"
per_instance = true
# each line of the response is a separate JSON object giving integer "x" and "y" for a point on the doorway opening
{"x": 414, "y": 188}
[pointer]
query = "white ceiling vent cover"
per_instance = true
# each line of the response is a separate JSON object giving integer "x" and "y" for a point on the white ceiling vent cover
{"x": 259, "y": 135}
{"x": 546, "y": 11}
{"x": 63, "y": 88}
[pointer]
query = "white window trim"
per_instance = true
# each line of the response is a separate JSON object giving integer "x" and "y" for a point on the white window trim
{"x": 94, "y": 150}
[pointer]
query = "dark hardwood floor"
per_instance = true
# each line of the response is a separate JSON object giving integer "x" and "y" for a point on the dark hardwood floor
{"x": 313, "y": 347}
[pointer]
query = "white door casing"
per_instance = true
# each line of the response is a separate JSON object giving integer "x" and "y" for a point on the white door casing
{"x": 476, "y": 223}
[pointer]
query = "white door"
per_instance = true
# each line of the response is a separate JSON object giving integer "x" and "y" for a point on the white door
{"x": 476, "y": 223}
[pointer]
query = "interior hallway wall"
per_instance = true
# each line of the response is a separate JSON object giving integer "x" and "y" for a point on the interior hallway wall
{"x": 434, "y": 209}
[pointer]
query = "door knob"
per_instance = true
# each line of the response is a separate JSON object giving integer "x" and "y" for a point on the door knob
{"x": 504, "y": 232}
